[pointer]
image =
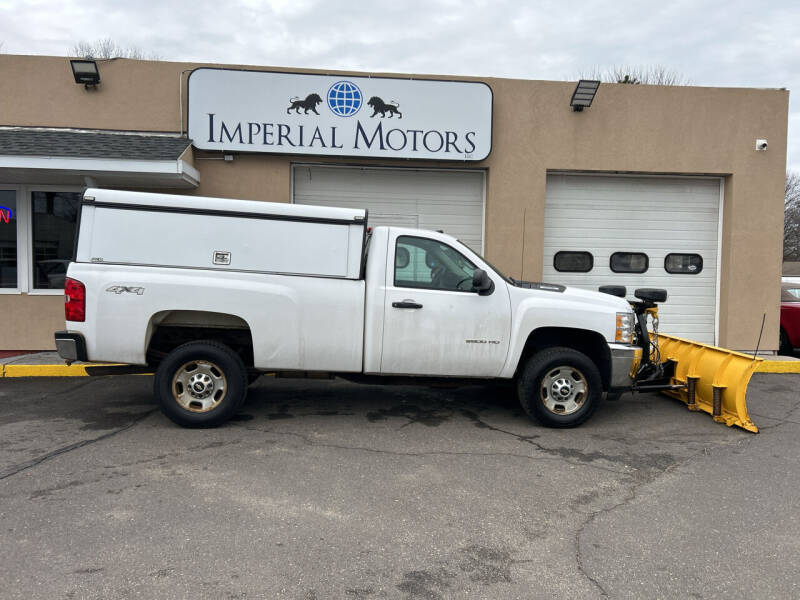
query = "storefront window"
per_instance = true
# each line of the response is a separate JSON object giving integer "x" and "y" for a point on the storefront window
{"x": 54, "y": 219}
{"x": 8, "y": 239}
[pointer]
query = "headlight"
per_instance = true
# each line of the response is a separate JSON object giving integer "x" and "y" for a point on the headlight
{"x": 624, "y": 327}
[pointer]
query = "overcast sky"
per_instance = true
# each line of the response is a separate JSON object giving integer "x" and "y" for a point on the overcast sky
{"x": 735, "y": 43}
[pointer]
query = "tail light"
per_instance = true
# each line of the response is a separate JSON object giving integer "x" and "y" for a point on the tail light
{"x": 74, "y": 300}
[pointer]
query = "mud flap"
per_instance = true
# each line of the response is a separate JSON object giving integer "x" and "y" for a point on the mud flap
{"x": 715, "y": 379}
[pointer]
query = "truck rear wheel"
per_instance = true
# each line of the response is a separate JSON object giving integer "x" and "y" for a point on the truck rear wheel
{"x": 201, "y": 384}
{"x": 559, "y": 387}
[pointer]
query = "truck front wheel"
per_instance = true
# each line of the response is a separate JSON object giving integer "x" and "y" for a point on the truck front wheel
{"x": 559, "y": 387}
{"x": 201, "y": 384}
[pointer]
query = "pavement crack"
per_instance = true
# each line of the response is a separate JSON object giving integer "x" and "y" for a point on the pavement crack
{"x": 630, "y": 497}
{"x": 307, "y": 440}
{"x": 70, "y": 447}
{"x": 588, "y": 521}
{"x": 556, "y": 454}
{"x": 779, "y": 420}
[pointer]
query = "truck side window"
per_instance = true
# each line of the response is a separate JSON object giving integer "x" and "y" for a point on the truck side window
{"x": 426, "y": 263}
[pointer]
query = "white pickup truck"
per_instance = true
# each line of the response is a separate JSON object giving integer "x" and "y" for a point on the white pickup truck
{"x": 211, "y": 292}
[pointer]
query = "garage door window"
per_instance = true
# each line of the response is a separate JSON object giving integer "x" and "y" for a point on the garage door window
{"x": 688, "y": 264}
{"x": 570, "y": 261}
{"x": 629, "y": 262}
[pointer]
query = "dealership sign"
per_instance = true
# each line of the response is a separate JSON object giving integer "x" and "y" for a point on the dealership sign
{"x": 294, "y": 113}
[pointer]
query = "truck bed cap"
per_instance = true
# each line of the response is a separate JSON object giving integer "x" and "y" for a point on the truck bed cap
{"x": 204, "y": 203}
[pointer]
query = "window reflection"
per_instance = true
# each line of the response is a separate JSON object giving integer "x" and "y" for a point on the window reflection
{"x": 55, "y": 215}
{"x": 8, "y": 239}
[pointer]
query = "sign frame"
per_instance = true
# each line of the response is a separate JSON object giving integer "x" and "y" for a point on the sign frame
{"x": 460, "y": 158}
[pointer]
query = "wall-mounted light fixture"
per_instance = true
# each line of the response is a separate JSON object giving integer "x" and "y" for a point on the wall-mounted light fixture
{"x": 584, "y": 94}
{"x": 85, "y": 72}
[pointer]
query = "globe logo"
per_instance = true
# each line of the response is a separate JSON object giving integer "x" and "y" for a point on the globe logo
{"x": 344, "y": 98}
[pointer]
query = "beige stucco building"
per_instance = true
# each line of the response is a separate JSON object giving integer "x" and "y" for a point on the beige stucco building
{"x": 650, "y": 186}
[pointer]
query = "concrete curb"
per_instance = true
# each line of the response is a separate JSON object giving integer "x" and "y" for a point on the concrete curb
{"x": 779, "y": 366}
{"x": 73, "y": 370}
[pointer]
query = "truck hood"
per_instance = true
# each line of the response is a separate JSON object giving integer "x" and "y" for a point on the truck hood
{"x": 574, "y": 294}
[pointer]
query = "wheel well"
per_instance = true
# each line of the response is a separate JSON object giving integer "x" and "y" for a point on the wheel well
{"x": 590, "y": 343}
{"x": 170, "y": 329}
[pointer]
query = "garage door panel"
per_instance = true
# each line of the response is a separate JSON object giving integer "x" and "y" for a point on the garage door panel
{"x": 657, "y": 216}
{"x": 634, "y": 185}
{"x": 451, "y": 201}
{"x": 593, "y": 215}
{"x": 587, "y": 215}
{"x": 567, "y": 235}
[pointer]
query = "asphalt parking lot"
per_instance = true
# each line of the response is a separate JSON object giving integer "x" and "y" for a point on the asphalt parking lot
{"x": 326, "y": 489}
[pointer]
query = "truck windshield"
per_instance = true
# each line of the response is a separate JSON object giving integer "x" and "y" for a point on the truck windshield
{"x": 505, "y": 277}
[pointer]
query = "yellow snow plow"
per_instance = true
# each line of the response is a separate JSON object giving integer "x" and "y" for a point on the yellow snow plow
{"x": 705, "y": 377}
{"x": 712, "y": 379}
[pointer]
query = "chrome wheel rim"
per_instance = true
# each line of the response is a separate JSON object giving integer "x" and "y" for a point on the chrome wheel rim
{"x": 199, "y": 386}
{"x": 563, "y": 390}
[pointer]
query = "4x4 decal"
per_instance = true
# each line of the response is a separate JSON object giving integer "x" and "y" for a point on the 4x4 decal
{"x": 118, "y": 289}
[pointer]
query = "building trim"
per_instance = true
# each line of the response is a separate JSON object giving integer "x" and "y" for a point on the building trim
{"x": 182, "y": 170}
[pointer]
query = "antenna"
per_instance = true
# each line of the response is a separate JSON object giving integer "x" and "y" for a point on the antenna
{"x": 764, "y": 318}
{"x": 522, "y": 255}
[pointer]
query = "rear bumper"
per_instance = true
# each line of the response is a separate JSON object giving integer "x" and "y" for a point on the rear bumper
{"x": 71, "y": 346}
{"x": 625, "y": 362}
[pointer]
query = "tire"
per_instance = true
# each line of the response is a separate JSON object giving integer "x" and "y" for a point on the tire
{"x": 785, "y": 346}
{"x": 218, "y": 378}
{"x": 559, "y": 371}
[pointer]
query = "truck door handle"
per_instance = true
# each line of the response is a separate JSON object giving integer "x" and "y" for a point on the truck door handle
{"x": 406, "y": 304}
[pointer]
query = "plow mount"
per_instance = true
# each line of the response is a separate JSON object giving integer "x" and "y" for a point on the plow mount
{"x": 705, "y": 377}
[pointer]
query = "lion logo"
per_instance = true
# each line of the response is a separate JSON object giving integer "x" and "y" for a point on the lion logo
{"x": 379, "y": 106}
{"x": 310, "y": 103}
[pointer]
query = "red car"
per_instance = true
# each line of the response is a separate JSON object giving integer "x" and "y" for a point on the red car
{"x": 790, "y": 317}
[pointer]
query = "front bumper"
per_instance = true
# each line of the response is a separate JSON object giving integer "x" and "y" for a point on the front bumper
{"x": 70, "y": 346}
{"x": 625, "y": 361}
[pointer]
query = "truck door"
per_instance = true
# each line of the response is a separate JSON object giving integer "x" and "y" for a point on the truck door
{"x": 434, "y": 323}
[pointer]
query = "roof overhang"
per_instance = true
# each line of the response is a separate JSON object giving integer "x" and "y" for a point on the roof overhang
{"x": 105, "y": 172}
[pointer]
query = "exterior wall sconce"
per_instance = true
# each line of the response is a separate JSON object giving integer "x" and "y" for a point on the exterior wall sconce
{"x": 584, "y": 94}
{"x": 85, "y": 72}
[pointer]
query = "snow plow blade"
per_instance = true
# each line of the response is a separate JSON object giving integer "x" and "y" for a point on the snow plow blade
{"x": 715, "y": 378}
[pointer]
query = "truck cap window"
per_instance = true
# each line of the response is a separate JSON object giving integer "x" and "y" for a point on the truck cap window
{"x": 689, "y": 264}
{"x": 572, "y": 261}
{"x": 629, "y": 262}
{"x": 425, "y": 263}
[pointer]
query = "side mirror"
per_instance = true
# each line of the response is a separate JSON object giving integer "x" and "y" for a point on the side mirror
{"x": 482, "y": 283}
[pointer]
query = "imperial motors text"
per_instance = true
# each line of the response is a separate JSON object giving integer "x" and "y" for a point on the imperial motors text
{"x": 376, "y": 137}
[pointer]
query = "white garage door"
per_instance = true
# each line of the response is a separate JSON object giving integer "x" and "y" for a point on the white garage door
{"x": 640, "y": 221}
{"x": 451, "y": 201}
